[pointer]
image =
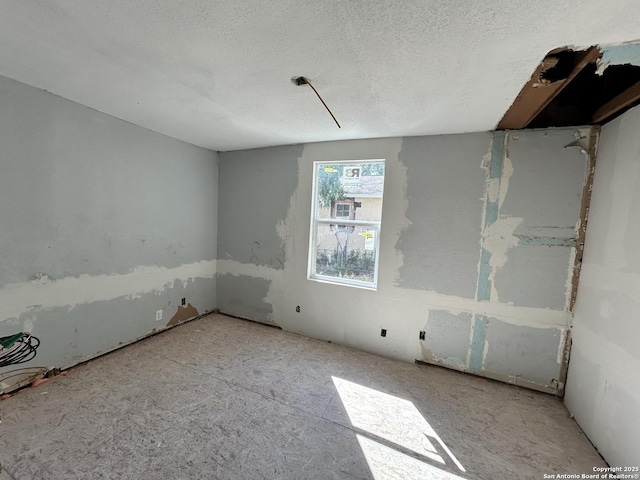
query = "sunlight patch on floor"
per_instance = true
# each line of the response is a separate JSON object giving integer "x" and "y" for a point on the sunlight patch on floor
{"x": 395, "y": 421}
{"x": 386, "y": 463}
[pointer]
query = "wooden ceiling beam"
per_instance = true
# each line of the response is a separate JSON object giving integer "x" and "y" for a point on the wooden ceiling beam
{"x": 537, "y": 94}
{"x": 626, "y": 98}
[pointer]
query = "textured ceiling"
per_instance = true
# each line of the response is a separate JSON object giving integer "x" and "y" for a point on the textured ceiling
{"x": 217, "y": 73}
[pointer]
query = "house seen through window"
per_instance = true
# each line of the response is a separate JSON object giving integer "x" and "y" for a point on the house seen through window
{"x": 345, "y": 222}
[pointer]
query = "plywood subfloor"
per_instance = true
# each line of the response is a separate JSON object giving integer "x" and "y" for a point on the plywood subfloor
{"x": 223, "y": 398}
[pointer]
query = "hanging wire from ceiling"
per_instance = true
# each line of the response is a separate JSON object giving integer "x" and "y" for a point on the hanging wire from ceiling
{"x": 305, "y": 81}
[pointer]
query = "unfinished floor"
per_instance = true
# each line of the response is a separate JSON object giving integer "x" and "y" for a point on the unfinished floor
{"x": 223, "y": 398}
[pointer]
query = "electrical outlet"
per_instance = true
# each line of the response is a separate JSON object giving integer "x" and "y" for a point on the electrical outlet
{"x": 383, "y": 332}
{"x": 422, "y": 334}
{"x": 184, "y": 301}
{"x": 158, "y": 315}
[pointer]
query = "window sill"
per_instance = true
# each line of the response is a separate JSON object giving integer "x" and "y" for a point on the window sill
{"x": 344, "y": 283}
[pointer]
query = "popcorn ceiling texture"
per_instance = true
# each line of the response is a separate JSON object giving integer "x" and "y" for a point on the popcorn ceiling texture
{"x": 216, "y": 74}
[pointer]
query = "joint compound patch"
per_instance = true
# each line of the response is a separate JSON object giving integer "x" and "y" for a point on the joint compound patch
{"x": 19, "y": 298}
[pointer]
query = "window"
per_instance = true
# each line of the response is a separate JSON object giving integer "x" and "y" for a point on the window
{"x": 346, "y": 214}
{"x": 342, "y": 210}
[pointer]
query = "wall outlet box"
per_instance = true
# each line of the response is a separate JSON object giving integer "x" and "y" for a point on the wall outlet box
{"x": 158, "y": 315}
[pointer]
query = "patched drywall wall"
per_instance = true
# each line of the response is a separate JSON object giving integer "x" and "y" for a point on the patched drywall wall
{"x": 549, "y": 174}
{"x": 454, "y": 231}
{"x": 244, "y": 296}
{"x": 442, "y": 254}
{"x": 603, "y": 384}
{"x": 102, "y": 224}
{"x": 532, "y": 352}
{"x": 447, "y": 338}
{"x": 256, "y": 186}
{"x": 535, "y": 276}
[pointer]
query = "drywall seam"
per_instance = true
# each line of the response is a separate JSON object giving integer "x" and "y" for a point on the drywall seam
{"x": 489, "y": 214}
{"x": 395, "y": 256}
{"x": 236, "y": 268}
{"x": 24, "y": 297}
{"x": 477, "y": 346}
{"x": 546, "y": 241}
{"x": 497, "y": 238}
{"x": 497, "y": 233}
{"x": 516, "y": 315}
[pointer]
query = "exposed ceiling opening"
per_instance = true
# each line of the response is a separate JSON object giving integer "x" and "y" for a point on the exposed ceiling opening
{"x": 585, "y": 87}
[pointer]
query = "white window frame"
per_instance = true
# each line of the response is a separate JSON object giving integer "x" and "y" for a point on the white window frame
{"x": 315, "y": 220}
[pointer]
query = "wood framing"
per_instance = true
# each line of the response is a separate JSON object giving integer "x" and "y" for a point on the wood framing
{"x": 616, "y": 104}
{"x": 538, "y": 93}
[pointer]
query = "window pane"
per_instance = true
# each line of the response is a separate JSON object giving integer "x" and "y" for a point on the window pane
{"x": 346, "y": 252}
{"x": 358, "y": 184}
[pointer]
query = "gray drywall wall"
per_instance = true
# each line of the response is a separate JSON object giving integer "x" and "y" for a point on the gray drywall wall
{"x": 545, "y": 193}
{"x": 244, "y": 296}
{"x": 71, "y": 335}
{"x": 523, "y": 352}
{"x": 447, "y": 338}
{"x": 535, "y": 276}
{"x": 603, "y": 384}
{"x": 548, "y": 176}
{"x": 445, "y": 245}
{"x": 102, "y": 223}
{"x": 440, "y": 244}
{"x": 256, "y": 186}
